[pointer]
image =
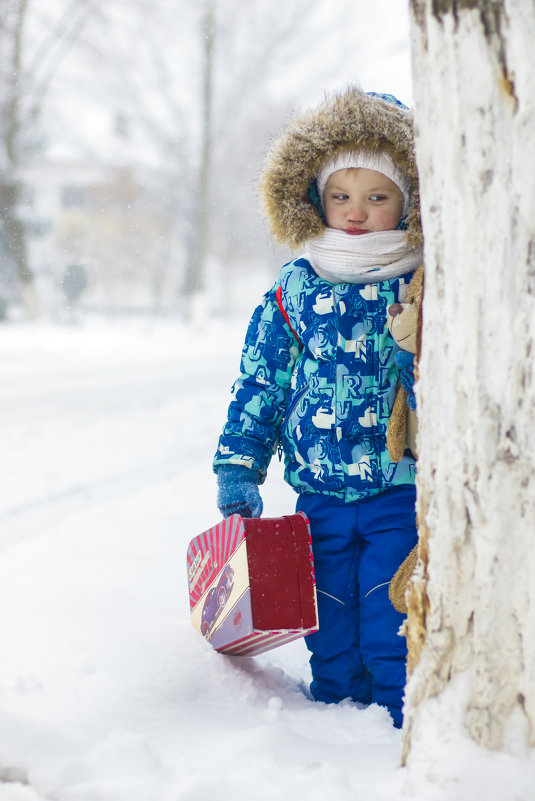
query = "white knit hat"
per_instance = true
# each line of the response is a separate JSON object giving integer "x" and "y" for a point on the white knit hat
{"x": 371, "y": 160}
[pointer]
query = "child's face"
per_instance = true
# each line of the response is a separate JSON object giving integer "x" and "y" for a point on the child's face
{"x": 359, "y": 201}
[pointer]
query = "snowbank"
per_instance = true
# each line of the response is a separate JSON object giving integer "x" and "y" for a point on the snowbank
{"x": 106, "y": 691}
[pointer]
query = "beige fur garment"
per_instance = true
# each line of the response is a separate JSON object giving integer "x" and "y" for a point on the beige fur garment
{"x": 398, "y": 585}
{"x": 401, "y": 431}
{"x": 399, "y": 434}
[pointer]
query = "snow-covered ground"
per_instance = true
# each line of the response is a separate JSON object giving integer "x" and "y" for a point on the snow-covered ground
{"x": 106, "y": 691}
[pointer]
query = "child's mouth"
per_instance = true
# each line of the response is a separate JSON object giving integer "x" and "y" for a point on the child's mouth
{"x": 355, "y": 231}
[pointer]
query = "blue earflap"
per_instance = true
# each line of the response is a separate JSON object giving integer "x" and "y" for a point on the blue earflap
{"x": 314, "y": 197}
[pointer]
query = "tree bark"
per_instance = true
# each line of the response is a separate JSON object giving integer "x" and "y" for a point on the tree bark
{"x": 24, "y": 81}
{"x": 13, "y": 227}
{"x": 471, "y": 623}
{"x": 196, "y": 269}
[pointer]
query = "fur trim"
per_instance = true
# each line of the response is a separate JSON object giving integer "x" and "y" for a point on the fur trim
{"x": 347, "y": 121}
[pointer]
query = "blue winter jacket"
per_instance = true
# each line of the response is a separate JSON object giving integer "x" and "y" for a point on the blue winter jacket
{"x": 323, "y": 393}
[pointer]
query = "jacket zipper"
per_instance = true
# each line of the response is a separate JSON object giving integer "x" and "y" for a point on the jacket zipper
{"x": 286, "y": 417}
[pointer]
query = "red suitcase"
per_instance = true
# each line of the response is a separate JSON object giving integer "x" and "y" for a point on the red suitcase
{"x": 251, "y": 583}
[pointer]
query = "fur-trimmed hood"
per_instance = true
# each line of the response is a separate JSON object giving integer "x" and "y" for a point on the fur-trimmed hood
{"x": 347, "y": 121}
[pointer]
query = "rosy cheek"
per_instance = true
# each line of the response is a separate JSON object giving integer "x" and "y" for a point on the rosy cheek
{"x": 388, "y": 219}
{"x": 331, "y": 217}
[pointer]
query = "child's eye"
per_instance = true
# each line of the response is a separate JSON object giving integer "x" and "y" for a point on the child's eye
{"x": 339, "y": 196}
{"x": 378, "y": 198}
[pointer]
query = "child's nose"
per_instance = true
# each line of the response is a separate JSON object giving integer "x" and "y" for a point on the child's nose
{"x": 357, "y": 212}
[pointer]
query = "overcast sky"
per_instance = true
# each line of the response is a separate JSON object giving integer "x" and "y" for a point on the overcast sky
{"x": 380, "y": 61}
{"x": 343, "y": 42}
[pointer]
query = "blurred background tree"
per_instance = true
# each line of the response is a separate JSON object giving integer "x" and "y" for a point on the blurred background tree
{"x": 133, "y": 133}
{"x": 28, "y": 63}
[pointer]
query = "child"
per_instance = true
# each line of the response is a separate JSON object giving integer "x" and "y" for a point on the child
{"x": 318, "y": 379}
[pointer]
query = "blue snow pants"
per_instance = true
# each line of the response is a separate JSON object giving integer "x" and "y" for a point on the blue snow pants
{"x": 357, "y": 652}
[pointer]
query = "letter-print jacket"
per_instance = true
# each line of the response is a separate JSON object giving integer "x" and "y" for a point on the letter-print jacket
{"x": 324, "y": 399}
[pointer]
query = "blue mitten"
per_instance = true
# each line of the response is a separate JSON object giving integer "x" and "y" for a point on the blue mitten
{"x": 405, "y": 361}
{"x": 237, "y": 491}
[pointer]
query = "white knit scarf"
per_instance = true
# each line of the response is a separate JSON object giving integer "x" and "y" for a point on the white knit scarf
{"x": 342, "y": 258}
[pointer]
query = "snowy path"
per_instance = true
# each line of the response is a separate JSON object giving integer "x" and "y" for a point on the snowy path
{"x": 106, "y": 691}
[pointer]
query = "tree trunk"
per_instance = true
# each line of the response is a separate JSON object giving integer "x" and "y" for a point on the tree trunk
{"x": 196, "y": 268}
{"x": 471, "y": 625}
{"x": 26, "y": 72}
{"x": 14, "y": 229}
